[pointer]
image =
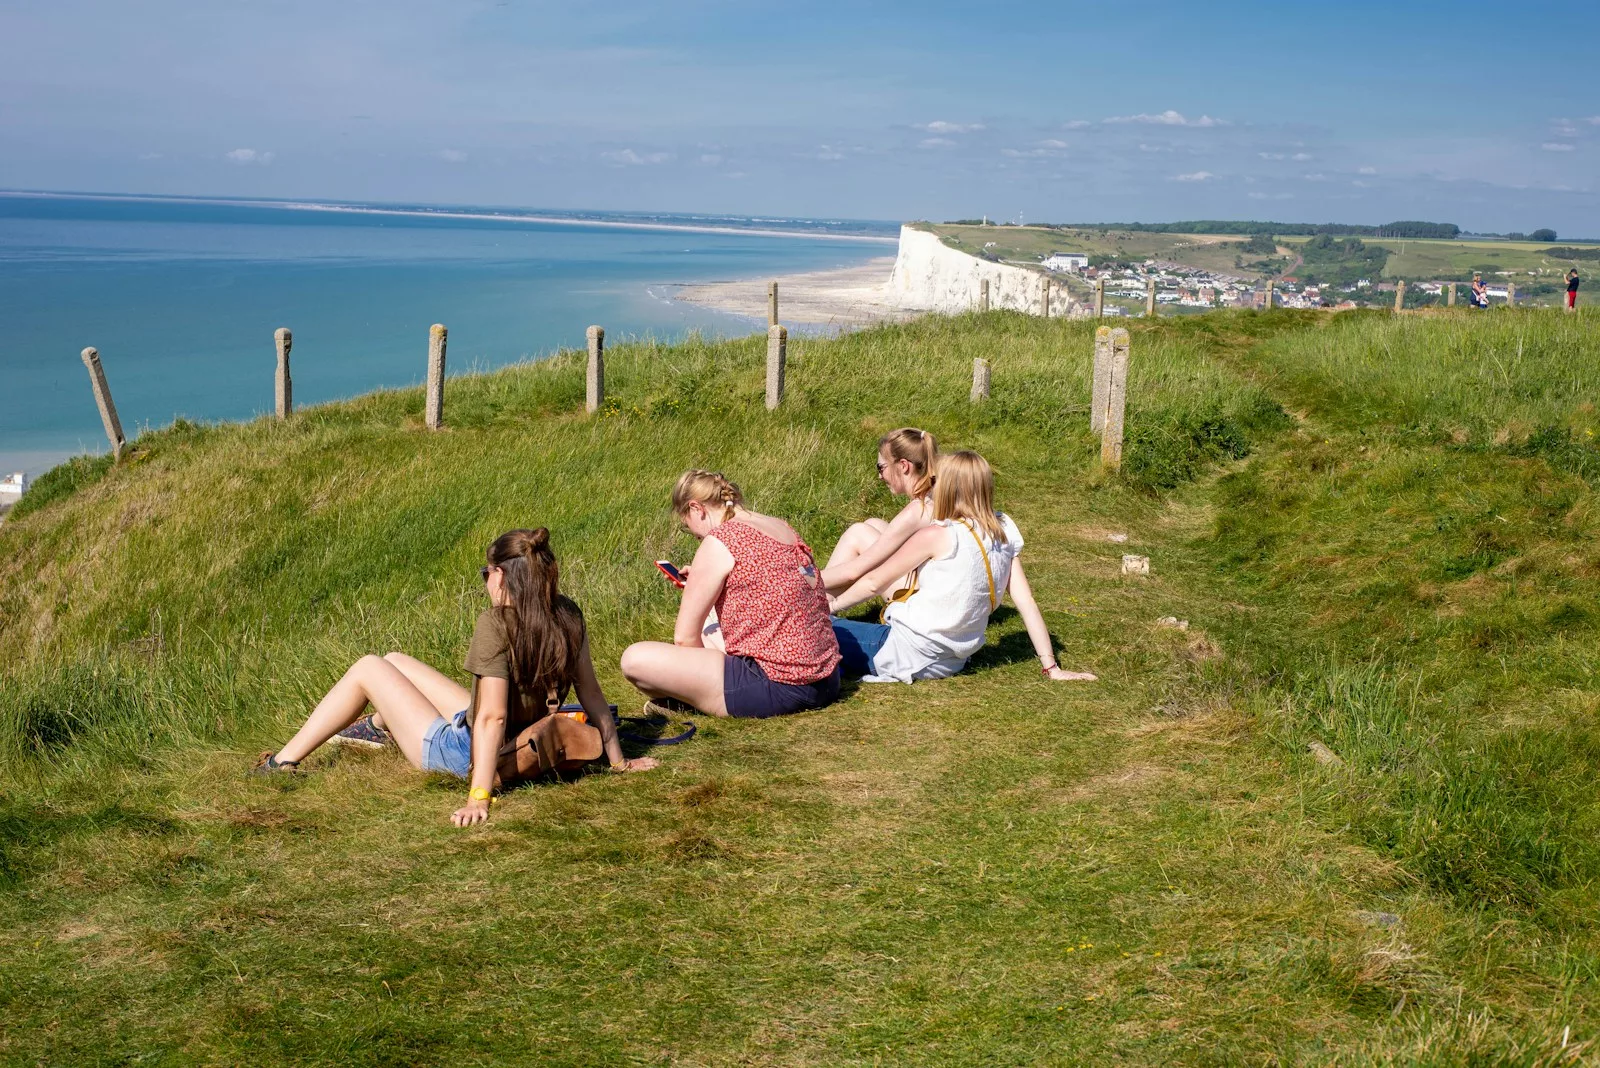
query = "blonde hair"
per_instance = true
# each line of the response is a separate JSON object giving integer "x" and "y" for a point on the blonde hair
{"x": 918, "y": 446}
{"x": 965, "y": 490}
{"x": 707, "y": 487}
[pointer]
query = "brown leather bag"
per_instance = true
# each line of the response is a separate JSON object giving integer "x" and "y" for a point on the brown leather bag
{"x": 554, "y": 743}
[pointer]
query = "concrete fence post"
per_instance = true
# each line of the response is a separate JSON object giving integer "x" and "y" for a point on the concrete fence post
{"x": 1511, "y": 294}
{"x": 433, "y": 413}
{"x": 980, "y": 380}
{"x": 1450, "y": 295}
{"x": 1102, "y": 380}
{"x": 1116, "y": 401}
{"x": 1099, "y": 297}
{"x": 983, "y": 295}
{"x": 1044, "y": 297}
{"x": 1271, "y": 293}
{"x": 1150, "y": 298}
{"x": 772, "y": 304}
{"x": 1400, "y": 295}
{"x": 777, "y": 357}
{"x": 594, "y": 381}
{"x": 283, "y": 388}
{"x": 102, "y": 398}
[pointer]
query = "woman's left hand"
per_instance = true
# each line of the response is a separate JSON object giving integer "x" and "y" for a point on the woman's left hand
{"x": 470, "y": 813}
{"x": 1061, "y": 674}
{"x": 637, "y": 764}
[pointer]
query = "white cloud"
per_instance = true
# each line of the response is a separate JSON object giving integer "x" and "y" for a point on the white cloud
{"x": 452, "y": 155}
{"x": 1052, "y": 143}
{"x": 1366, "y": 170}
{"x": 710, "y": 159}
{"x": 939, "y": 126}
{"x": 149, "y": 155}
{"x": 1593, "y": 120}
{"x": 1272, "y": 155}
{"x": 1271, "y": 196}
{"x": 629, "y": 158}
{"x": 1077, "y": 124}
{"x": 1300, "y": 157}
{"x": 244, "y": 156}
{"x": 1153, "y": 148}
{"x": 1045, "y": 149}
{"x": 1168, "y": 118}
{"x": 1319, "y": 177}
{"x": 1194, "y": 176}
{"x": 828, "y": 152}
{"x": 935, "y": 142}
{"x": 1556, "y": 146}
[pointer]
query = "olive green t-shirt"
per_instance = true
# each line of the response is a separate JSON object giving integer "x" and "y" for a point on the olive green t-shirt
{"x": 489, "y": 657}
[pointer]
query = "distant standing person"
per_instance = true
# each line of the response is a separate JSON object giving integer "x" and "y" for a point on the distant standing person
{"x": 1480, "y": 293}
{"x": 1572, "y": 289}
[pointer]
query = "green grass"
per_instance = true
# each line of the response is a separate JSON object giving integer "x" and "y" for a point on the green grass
{"x": 1381, "y": 531}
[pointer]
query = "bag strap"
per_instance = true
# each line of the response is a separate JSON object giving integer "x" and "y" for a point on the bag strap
{"x": 994, "y": 602}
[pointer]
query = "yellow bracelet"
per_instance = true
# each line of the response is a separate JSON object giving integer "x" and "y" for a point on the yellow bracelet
{"x": 480, "y": 794}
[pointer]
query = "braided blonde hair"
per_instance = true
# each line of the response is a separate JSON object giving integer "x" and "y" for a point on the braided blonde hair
{"x": 707, "y": 487}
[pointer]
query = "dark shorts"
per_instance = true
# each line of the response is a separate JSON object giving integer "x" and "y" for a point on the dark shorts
{"x": 749, "y": 694}
{"x": 859, "y": 642}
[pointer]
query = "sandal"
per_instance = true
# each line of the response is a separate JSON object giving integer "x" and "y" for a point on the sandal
{"x": 269, "y": 764}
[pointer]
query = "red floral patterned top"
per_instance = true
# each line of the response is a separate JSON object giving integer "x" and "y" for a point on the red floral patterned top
{"x": 773, "y": 608}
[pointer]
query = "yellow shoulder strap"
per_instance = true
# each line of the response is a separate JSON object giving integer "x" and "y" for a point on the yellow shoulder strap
{"x": 994, "y": 601}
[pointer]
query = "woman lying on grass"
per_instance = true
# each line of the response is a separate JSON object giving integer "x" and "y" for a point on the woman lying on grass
{"x": 773, "y": 651}
{"x": 906, "y": 461}
{"x": 528, "y": 649}
{"x": 959, "y": 567}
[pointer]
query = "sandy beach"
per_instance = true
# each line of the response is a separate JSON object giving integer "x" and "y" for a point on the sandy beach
{"x": 839, "y": 299}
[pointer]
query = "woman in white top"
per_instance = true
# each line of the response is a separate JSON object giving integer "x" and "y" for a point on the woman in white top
{"x": 906, "y": 461}
{"x": 959, "y": 568}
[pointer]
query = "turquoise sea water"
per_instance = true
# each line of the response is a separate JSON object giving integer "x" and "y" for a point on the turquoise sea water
{"x": 182, "y": 298}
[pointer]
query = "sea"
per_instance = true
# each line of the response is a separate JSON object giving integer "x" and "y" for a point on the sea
{"x": 181, "y": 297}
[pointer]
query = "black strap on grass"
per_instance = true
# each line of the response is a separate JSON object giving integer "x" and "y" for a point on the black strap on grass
{"x": 654, "y": 720}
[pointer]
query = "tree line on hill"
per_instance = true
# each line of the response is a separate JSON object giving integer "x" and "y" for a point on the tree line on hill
{"x": 1253, "y": 227}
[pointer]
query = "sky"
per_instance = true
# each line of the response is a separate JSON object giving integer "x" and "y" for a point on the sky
{"x": 1484, "y": 115}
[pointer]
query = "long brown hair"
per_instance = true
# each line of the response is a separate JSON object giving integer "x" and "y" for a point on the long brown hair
{"x": 965, "y": 490}
{"x": 707, "y": 487}
{"x": 918, "y": 446}
{"x": 545, "y": 629}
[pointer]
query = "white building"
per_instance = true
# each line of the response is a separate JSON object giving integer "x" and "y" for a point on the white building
{"x": 12, "y": 487}
{"x": 1066, "y": 261}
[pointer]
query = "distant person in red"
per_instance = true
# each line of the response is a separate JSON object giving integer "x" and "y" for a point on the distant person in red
{"x": 1572, "y": 289}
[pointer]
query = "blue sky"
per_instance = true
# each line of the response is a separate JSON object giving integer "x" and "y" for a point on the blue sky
{"x": 1483, "y": 115}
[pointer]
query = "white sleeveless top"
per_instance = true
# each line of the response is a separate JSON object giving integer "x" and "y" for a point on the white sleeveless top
{"x": 935, "y": 630}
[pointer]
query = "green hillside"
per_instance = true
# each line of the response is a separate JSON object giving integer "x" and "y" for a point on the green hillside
{"x": 1381, "y": 531}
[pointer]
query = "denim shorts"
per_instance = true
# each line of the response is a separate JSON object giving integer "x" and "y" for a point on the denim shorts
{"x": 447, "y": 746}
{"x": 749, "y": 694}
{"x": 859, "y": 642}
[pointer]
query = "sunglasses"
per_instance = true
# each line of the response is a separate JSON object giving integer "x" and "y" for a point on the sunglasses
{"x": 881, "y": 466}
{"x": 484, "y": 572}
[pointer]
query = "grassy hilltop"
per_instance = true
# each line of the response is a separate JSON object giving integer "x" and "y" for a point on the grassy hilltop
{"x": 1382, "y": 532}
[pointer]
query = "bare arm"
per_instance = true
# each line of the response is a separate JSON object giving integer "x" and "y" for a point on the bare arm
{"x": 844, "y": 575}
{"x": 1038, "y": 633}
{"x": 712, "y": 565}
{"x": 492, "y": 698}
{"x": 594, "y": 705}
{"x": 918, "y": 549}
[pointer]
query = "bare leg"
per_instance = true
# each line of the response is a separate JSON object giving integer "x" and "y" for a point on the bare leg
{"x": 712, "y": 634}
{"x": 407, "y": 712}
{"x": 855, "y": 540}
{"x": 661, "y": 669}
{"x": 445, "y": 694}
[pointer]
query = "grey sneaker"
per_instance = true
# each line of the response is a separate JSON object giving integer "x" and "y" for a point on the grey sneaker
{"x": 268, "y": 764}
{"x": 364, "y": 733}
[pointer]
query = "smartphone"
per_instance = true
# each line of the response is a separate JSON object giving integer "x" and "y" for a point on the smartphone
{"x": 669, "y": 569}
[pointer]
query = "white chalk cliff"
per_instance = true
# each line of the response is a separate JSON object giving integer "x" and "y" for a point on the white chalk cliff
{"x": 931, "y": 276}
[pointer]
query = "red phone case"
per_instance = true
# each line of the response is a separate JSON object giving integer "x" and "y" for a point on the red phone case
{"x": 672, "y": 578}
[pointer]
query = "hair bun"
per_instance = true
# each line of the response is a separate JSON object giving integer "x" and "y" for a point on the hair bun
{"x": 539, "y": 539}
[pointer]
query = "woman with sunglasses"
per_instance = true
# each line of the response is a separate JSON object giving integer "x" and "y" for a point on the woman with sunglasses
{"x": 907, "y": 459}
{"x": 529, "y": 648}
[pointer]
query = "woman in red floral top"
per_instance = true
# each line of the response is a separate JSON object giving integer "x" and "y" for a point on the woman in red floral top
{"x": 772, "y": 649}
